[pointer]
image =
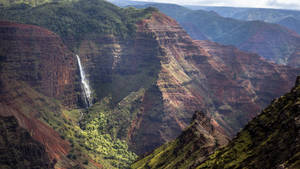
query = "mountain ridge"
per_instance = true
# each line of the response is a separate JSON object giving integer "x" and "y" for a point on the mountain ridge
{"x": 251, "y": 36}
{"x": 201, "y": 138}
{"x": 270, "y": 140}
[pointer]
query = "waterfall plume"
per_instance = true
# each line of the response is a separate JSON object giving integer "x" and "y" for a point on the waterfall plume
{"x": 85, "y": 84}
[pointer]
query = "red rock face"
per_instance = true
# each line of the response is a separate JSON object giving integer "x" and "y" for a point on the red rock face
{"x": 38, "y": 57}
{"x": 275, "y": 43}
{"x": 201, "y": 75}
{"x": 36, "y": 67}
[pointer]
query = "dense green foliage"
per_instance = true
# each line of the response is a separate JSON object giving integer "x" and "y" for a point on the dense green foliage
{"x": 118, "y": 117}
{"x": 268, "y": 141}
{"x": 87, "y": 143}
{"x": 90, "y": 141}
{"x": 28, "y": 2}
{"x": 74, "y": 21}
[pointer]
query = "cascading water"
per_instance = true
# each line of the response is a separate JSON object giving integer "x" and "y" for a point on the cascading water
{"x": 85, "y": 84}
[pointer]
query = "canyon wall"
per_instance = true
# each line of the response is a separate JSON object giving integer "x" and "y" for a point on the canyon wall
{"x": 157, "y": 79}
{"x": 37, "y": 72}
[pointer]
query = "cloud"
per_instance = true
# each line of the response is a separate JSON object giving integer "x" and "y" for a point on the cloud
{"x": 283, "y": 4}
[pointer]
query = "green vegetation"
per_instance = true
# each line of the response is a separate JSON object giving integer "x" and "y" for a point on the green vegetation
{"x": 101, "y": 135}
{"x": 90, "y": 141}
{"x": 119, "y": 117}
{"x": 268, "y": 141}
{"x": 74, "y": 21}
{"x": 18, "y": 148}
{"x": 29, "y": 2}
{"x": 190, "y": 148}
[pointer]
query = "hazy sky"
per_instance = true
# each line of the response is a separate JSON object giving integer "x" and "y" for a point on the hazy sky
{"x": 284, "y": 4}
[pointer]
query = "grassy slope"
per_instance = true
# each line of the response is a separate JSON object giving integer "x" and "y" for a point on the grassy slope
{"x": 269, "y": 140}
{"x": 191, "y": 147}
{"x": 18, "y": 149}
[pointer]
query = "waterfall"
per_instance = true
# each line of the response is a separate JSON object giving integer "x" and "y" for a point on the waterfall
{"x": 84, "y": 84}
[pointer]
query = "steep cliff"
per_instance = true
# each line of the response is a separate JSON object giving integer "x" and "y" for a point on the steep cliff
{"x": 39, "y": 58}
{"x": 40, "y": 83}
{"x": 18, "y": 149}
{"x": 271, "y": 41}
{"x": 194, "y": 145}
{"x": 151, "y": 84}
{"x": 232, "y": 85}
{"x": 36, "y": 68}
{"x": 40, "y": 87}
{"x": 271, "y": 140}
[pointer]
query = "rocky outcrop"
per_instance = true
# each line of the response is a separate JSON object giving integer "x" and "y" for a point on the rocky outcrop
{"x": 194, "y": 145}
{"x": 18, "y": 149}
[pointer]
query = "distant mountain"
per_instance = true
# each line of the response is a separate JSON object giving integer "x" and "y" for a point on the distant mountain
{"x": 272, "y": 41}
{"x": 271, "y": 140}
{"x": 124, "y": 3}
{"x": 287, "y": 18}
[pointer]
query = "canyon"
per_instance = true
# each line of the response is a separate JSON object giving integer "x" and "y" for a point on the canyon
{"x": 146, "y": 80}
